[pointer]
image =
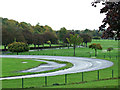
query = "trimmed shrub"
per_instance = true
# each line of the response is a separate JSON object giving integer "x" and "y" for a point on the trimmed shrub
{"x": 95, "y": 47}
{"x": 18, "y": 47}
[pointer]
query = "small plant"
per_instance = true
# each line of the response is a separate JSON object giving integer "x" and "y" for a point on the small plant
{"x": 109, "y": 49}
{"x": 18, "y": 47}
{"x": 95, "y": 47}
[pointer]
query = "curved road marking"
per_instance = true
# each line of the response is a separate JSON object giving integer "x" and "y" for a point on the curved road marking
{"x": 45, "y": 67}
{"x": 80, "y": 65}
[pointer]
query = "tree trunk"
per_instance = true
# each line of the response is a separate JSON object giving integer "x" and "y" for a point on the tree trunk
{"x": 17, "y": 53}
{"x": 34, "y": 46}
{"x": 38, "y": 47}
{"x": 95, "y": 52}
{"x": 68, "y": 46}
{"x": 74, "y": 49}
{"x": 86, "y": 44}
{"x": 50, "y": 45}
{"x": 109, "y": 53}
{"x": 82, "y": 44}
{"x": 43, "y": 45}
{"x": 5, "y": 46}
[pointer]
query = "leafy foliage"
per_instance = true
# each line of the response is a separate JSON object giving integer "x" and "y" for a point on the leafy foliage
{"x": 28, "y": 36}
{"x": 7, "y": 38}
{"x": 112, "y": 19}
{"x": 75, "y": 40}
{"x": 61, "y": 33}
{"x": 95, "y": 47}
{"x": 109, "y": 49}
{"x": 18, "y": 47}
{"x": 50, "y": 36}
{"x": 38, "y": 39}
{"x": 86, "y": 38}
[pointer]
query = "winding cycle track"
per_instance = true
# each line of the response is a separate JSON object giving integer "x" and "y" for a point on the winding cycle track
{"x": 80, "y": 64}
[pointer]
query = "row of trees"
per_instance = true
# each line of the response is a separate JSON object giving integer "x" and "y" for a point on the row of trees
{"x": 63, "y": 33}
{"x": 24, "y": 32}
{"x": 28, "y": 38}
{"x": 37, "y": 35}
{"x": 93, "y": 33}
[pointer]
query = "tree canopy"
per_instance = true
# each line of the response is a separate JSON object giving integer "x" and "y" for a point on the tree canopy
{"x": 75, "y": 40}
{"x": 95, "y": 47}
{"x": 111, "y": 23}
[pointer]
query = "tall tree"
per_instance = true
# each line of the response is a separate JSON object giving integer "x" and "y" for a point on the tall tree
{"x": 61, "y": 33}
{"x": 38, "y": 39}
{"x": 67, "y": 35}
{"x": 95, "y": 47}
{"x": 7, "y": 38}
{"x": 86, "y": 38}
{"x": 28, "y": 36}
{"x": 19, "y": 37}
{"x": 50, "y": 36}
{"x": 38, "y": 28}
{"x": 112, "y": 19}
{"x": 48, "y": 28}
{"x": 75, "y": 40}
{"x": 25, "y": 26}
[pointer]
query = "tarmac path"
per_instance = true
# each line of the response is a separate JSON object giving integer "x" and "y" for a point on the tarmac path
{"x": 80, "y": 64}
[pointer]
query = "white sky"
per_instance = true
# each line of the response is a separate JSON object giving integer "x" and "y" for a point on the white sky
{"x": 72, "y": 14}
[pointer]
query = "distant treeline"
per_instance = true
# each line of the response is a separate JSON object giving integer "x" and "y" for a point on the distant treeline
{"x": 39, "y": 35}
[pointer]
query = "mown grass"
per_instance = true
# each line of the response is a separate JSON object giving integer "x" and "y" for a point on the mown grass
{"x": 91, "y": 84}
{"x": 12, "y": 66}
{"x": 80, "y": 52}
{"x": 76, "y": 77}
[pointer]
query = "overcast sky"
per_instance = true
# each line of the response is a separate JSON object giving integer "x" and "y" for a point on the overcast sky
{"x": 72, "y": 14}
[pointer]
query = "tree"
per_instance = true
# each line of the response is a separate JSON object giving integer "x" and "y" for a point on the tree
{"x": 38, "y": 29}
{"x": 95, "y": 47}
{"x": 25, "y": 26}
{"x": 50, "y": 36}
{"x": 7, "y": 38}
{"x": 48, "y": 28}
{"x": 65, "y": 39}
{"x": 86, "y": 38}
{"x": 109, "y": 49}
{"x": 28, "y": 36}
{"x": 9, "y": 28}
{"x": 18, "y": 47}
{"x": 19, "y": 37}
{"x": 75, "y": 40}
{"x": 38, "y": 39}
{"x": 112, "y": 19}
{"x": 61, "y": 33}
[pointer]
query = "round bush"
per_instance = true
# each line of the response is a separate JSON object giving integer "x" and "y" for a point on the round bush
{"x": 18, "y": 47}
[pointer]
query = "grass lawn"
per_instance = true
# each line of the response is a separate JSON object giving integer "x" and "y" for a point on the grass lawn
{"x": 11, "y": 66}
{"x": 80, "y": 52}
{"x": 92, "y": 84}
{"x": 73, "y": 78}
